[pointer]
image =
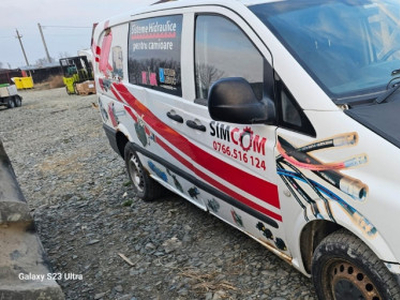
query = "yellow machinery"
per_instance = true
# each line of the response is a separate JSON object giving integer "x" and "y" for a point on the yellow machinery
{"x": 23, "y": 82}
{"x": 76, "y": 69}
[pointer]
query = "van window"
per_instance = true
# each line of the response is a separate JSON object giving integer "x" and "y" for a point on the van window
{"x": 155, "y": 53}
{"x": 290, "y": 114}
{"x": 349, "y": 47}
{"x": 223, "y": 50}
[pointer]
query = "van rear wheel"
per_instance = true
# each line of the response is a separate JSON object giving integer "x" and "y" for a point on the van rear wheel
{"x": 345, "y": 268}
{"x": 144, "y": 186}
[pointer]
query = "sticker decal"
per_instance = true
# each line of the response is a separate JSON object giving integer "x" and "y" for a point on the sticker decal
{"x": 104, "y": 65}
{"x": 105, "y": 84}
{"x": 296, "y": 165}
{"x": 103, "y": 111}
{"x": 193, "y": 192}
{"x": 246, "y": 139}
{"x": 110, "y": 60}
{"x": 213, "y": 205}
{"x": 176, "y": 182}
{"x": 265, "y": 191}
{"x": 112, "y": 114}
{"x": 240, "y": 144}
{"x": 141, "y": 132}
{"x": 279, "y": 243}
{"x": 117, "y": 63}
{"x": 266, "y": 232}
{"x": 158, "y": 171}
{"x": 154, "y": 57}
{"x": 237, "y": 218}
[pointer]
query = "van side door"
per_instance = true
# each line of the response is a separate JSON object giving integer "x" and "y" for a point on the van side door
{"x": 234, "y": 163}
{"x": 155, "y": 60}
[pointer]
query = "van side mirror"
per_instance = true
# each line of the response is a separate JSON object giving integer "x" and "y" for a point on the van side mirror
{"x": 233, "y": 100}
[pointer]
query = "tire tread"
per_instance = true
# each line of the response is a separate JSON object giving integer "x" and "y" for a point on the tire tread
{"x": 355, "y": 247}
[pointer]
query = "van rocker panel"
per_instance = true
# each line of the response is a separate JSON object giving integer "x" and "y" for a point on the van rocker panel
{"x": 213, "y": 191}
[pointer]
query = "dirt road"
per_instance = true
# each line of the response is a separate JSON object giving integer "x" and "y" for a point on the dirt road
{"x": 102, "y": 242}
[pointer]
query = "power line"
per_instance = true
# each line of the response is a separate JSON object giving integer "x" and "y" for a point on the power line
{"x": 65, "y": 27}
{"x": 67, "y": 34}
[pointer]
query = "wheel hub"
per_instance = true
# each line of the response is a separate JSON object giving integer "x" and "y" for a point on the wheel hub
{"x": 136, "y": 174}
{"x": 351, "y": 283}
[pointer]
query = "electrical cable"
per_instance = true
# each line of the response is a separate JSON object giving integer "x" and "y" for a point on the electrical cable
{"x": 357, "y": 218}
{"x": 306, "y": 180}
{"x": 290, "y": 186}
{"x": 353, "y": 187}
{"x": 351, "y": 162}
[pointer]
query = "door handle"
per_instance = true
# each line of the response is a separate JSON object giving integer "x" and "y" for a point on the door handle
{"x": 175, "y": 117}
{"x": 194, "y": 125}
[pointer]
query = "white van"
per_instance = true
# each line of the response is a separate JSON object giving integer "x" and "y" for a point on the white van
{"x": 279, "y": 117}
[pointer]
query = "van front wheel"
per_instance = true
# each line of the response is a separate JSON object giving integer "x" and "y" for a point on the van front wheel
{"x": 144, "y": 186}
{"x": 345, "y": 268}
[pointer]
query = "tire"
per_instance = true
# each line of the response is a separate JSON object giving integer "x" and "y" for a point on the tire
{"x": 10, "y": 103}
{"x": 144, "y": 186}
{"x": 17, "y": 101}
{"x": 344, "y": 268}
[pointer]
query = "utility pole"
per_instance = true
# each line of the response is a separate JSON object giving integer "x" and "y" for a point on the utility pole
{"x": 44, "y": 43}
{"x": 19, "y": 37}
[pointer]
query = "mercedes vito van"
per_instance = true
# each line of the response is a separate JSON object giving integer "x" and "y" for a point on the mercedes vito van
{"x": 279, "y": 117}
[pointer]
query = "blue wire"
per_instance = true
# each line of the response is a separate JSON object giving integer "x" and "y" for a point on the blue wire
{"x": 327, "y": 192}
{"x": 322, "y": 188}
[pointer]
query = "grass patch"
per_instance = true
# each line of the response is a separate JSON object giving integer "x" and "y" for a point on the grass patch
{"x": 127, "y": 203}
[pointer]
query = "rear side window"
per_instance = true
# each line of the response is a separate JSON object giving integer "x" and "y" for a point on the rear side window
{"x": 155, "y": 53}
{"x": 223, "y": 50}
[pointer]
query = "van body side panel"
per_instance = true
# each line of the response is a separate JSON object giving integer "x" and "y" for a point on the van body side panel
{"x": 243, "y": 193}
{"x": 110, "y": 55}
{"x": 267, "y": 181}
{"x": 235, "y": 159}
{"x": 340, "y": 182}
{"x": 176, "y": 147}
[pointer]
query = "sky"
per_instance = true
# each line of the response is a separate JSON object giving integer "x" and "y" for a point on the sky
{"x": 66, "y": 26}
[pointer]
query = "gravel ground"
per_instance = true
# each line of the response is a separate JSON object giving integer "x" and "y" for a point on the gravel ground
{"x": 107, "y": 243}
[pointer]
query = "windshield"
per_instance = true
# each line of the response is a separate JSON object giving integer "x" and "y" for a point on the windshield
{"x": 350, "y": 47}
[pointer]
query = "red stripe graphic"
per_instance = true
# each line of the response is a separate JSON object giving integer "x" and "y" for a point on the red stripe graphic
{"x": 131, "y": 113}
{"x": 220, "y": 186}
{"x": 167, "y": 35}
{"x": 252, "y": 185}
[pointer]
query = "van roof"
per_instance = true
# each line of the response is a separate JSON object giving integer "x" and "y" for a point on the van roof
{"x": 161, "y": 5}
{"x": 245, "y": 2}
{"x": 175, "y": 3}
{"x": 165, "y": 5}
